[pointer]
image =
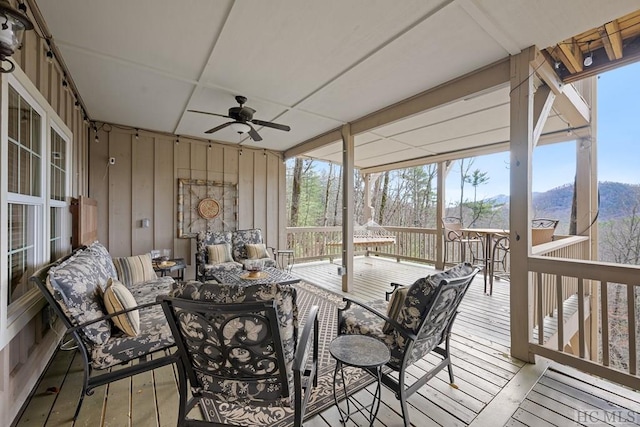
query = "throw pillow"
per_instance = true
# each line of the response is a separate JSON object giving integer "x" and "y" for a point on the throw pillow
{"x": 134, "y": 269}
{"x": 219, "y": 253}
{"x": 256, "y": 251}
{"x": 117, "y": 298}
{"x": 395, "y": 305}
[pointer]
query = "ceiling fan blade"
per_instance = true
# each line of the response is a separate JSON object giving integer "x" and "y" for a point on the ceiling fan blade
{"x": 271, "y": 125}
{"x": 217, "y": 128}
{"x": 254, "y": 135}
{"x": 211, "y": 114}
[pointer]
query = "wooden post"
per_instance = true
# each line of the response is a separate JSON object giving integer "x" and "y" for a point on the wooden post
{"x": 347, "y": 207}
{"x": 587, "y": 207}
{"x": 440, "y": 180}
{"x": 521, "y": 145}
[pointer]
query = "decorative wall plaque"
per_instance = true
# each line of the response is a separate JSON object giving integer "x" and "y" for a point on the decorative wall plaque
{"x": 206, "y": 206}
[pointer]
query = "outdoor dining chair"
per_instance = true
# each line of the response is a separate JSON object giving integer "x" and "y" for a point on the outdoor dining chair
{"x": 238, "y": 345}
{"x": 454, "y": 236}
{"x": 415, "y": 322}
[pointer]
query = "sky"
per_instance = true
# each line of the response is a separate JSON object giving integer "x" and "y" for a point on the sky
{"x": 618, "y": 137}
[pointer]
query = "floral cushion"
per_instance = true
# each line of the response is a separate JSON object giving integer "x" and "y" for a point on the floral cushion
{"x": 285, "y": 297}
{"x": 103, "y": 258}
{"x": 419, "y": 301}
{"x": 74, "y": 282}
{"x": 155, "y": 333}
{"x": 241, "y": 239}
{"x": 204, "y": 239}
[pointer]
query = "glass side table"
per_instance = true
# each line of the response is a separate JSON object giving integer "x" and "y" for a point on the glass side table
{"x": 168, "y": 267}
{"x": 362, "y": 352}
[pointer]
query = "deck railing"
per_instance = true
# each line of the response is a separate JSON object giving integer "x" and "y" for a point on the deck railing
{"x": 314, "y": 243}
{"x": 606, "y": 343}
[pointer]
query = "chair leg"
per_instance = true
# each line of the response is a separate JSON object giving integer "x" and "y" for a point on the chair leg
{"x": 448, "y": 357}
{"x": 402, "y": 396}
{"x": 75, "y": 415}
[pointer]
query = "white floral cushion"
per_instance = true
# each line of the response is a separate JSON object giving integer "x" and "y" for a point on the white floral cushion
{"x": 117, "y": 298}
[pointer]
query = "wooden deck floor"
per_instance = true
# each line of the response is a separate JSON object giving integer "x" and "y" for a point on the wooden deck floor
{"x": 493, "y": 389}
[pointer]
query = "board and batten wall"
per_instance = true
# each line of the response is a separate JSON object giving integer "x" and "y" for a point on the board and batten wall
{"x": 28, "y": 342}
{"x": 143, "y": 183}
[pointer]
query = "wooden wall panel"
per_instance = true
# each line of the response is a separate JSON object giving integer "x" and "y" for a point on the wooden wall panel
{"x": 164, "y": 190}
{"x": 120, "y": 195}
{"x": 260, "y": 189}
{"x": 99, "y": 183}
{"x": 142, "y": 175}
{"x": 31, "y": 347}
{"x": 215, "y": 162}
{"x": 245, "y": 190}
{"x": 270, "y": 228}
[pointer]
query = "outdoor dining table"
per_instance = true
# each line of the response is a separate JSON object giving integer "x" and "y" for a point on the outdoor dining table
{"x": 488, "y": 234}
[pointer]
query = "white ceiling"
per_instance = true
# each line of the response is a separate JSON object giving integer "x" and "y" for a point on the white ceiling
{"x": 310, "y": 64}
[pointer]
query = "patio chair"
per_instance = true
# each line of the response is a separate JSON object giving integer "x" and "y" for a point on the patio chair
{"x": 239, "y": 345}
{"x": 417, "y": 321}
{"x": 453, "y": 235}
{"x": 542, "y": 231}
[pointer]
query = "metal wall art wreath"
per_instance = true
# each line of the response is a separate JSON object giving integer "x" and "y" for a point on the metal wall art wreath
{"x": 206, "y": 205}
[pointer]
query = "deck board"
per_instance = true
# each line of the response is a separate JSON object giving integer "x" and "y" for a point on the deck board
{"x": 483, "y": 370}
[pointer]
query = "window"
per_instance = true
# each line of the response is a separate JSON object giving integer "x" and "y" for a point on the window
{"x": 24, "y": 172}
{"x": 36, "y": 146}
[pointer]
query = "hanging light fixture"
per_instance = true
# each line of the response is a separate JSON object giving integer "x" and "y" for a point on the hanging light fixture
{"x": 13, "y": 22}
{"x": 588, "y": 60}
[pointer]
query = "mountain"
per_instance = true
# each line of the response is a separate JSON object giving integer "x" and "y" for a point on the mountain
{"x": 617, "y": 200}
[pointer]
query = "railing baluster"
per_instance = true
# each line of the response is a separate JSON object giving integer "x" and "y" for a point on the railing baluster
{"x": 631, "y": 316}
{"x": 539, "y": 309}
{"x": 604, "y": 312}
{"x": 560, "y": 316}
{"x": 581, "y": 318}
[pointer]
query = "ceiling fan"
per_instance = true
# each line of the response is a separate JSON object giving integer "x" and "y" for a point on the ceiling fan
{"x": 242, "y": 119}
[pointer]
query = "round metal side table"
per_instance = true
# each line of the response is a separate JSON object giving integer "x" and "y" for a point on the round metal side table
{"x": 362, "y": 352}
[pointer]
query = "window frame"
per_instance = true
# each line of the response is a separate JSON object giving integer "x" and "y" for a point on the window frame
{"x": 15, "y": 315}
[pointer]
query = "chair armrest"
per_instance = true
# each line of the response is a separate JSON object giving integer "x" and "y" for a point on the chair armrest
{"x": 311, "y": 324}
{"x": 396, "y": 326}
{"x": 274, "y": 251}
{"x": 109, "y": 316}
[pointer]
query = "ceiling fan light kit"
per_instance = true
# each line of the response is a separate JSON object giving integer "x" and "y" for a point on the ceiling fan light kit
{"x": 242, "y": 120}
{"x": 240, "y": 127}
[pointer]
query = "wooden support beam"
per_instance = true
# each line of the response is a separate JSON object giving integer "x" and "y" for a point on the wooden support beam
{"x": 314, "y": 143}
{"x": 542, "y": 104}
{"x": 615, "y": 39}
{"x": 441, "y": 178}
{"x": 521, "y": 134}
{"x": 571, "y": 55}
{"x": 348, "y": 155}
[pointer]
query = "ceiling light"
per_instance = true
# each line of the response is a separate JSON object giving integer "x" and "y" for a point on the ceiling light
{"x": 240, "y": 127}
{"x": 13, "y": 22}
{"x": 588, "y": 60}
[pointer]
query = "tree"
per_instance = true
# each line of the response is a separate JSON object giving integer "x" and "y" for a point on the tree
{"x": 295, "y": 191}
{"x": 383, "y": 198}
{"x": 482, "y": 207}
{"x": 464, "y": 174}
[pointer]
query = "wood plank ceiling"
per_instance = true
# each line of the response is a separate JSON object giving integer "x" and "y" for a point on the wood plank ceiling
{"x": 610, "y": 45}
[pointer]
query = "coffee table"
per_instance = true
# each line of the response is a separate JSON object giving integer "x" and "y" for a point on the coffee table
{"x": 362, "y": 352}
{"x": 268, "y": 275}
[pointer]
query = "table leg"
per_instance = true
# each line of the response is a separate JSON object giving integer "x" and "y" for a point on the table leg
{"x": 344, "y": 418}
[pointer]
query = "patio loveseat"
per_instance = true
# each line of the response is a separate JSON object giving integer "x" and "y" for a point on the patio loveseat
{"x": 110, "y": 310}
{"x": 230, "y": 250}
